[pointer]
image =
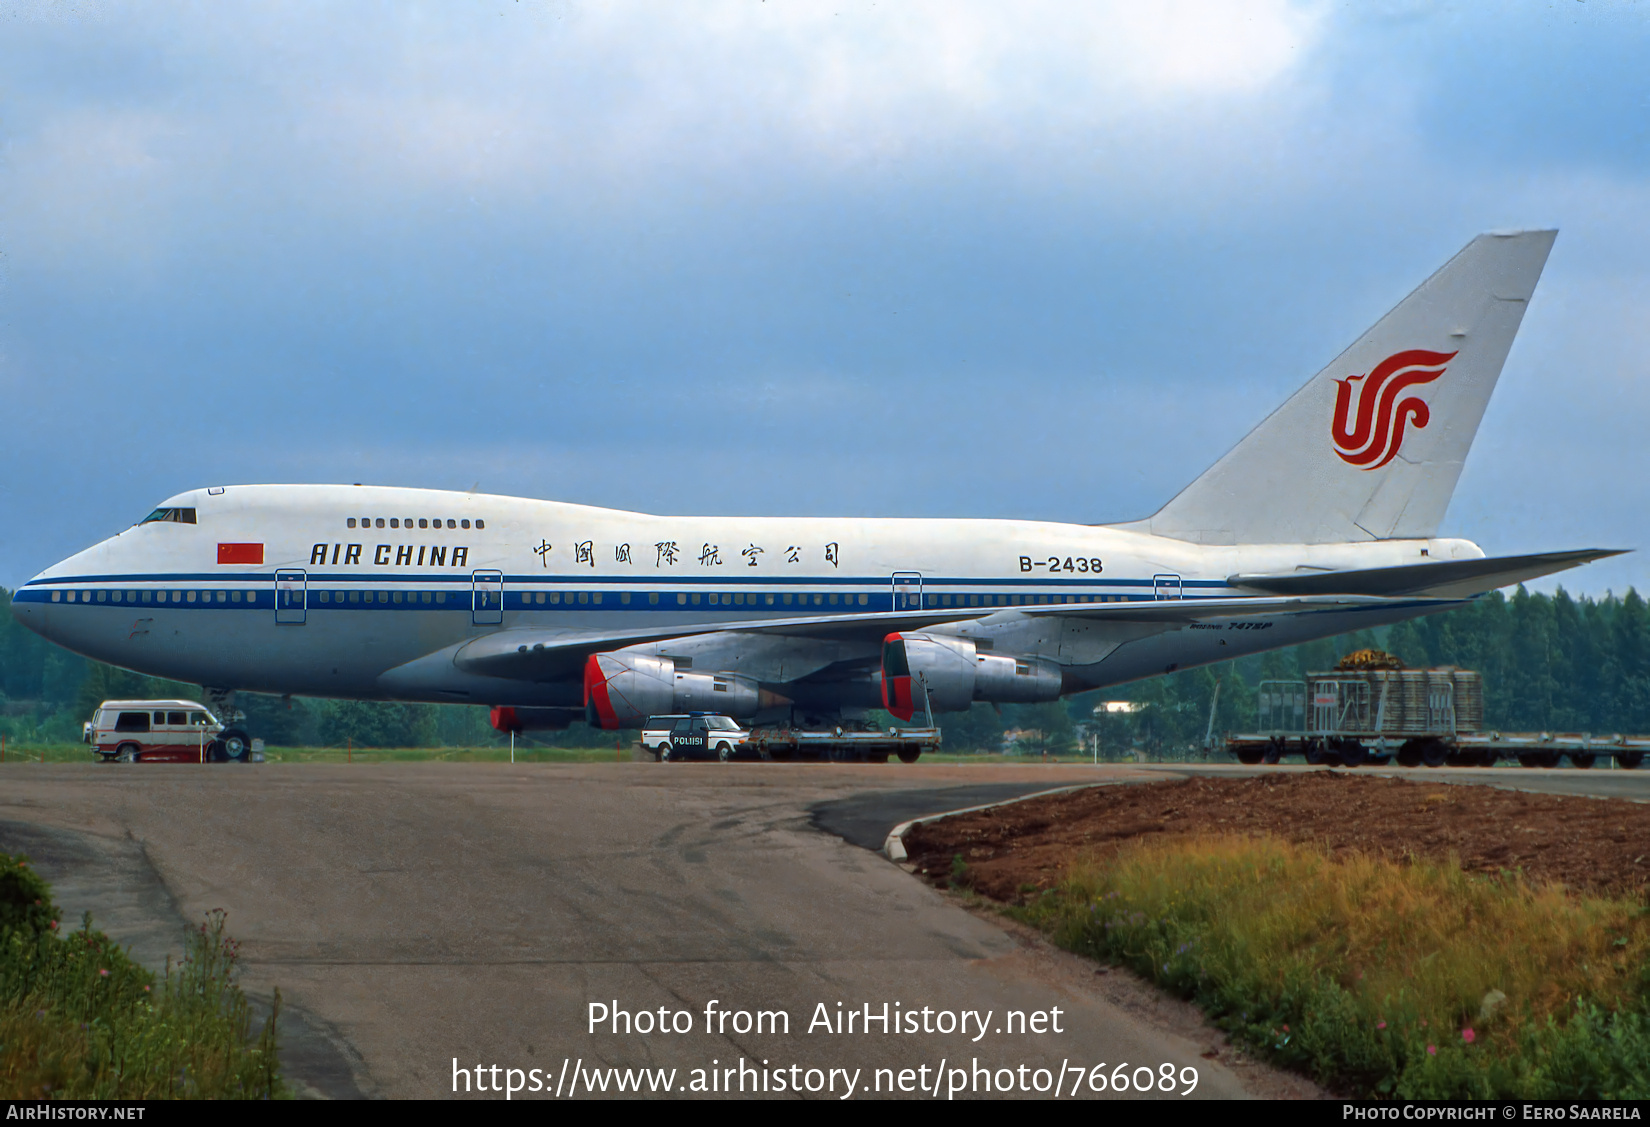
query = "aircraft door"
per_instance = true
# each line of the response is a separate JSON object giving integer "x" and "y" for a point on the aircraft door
{"x": 907, "y": 590}
{"x": 487, "y": 597}
{"x": 1166, "y": 586}
{"x": 290, "y": 596}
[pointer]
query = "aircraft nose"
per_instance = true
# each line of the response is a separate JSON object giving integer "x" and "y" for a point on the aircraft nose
{"x": 25, "y": 612}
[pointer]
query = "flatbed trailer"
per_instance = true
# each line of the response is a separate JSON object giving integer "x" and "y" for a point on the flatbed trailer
{"x": 1463, "y": 749}
{"x": 843, "y": 746}
{"x": 1421, "y": 717}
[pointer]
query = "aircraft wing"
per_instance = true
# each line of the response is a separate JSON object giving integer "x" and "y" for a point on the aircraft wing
{"x": 1439, "y": 578}
{"x": 542, "y": 654}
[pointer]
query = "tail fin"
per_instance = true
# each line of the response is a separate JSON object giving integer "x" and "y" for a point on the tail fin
{"x": 1372, "y": 446}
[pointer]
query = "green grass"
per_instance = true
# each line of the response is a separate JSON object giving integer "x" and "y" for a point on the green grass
{"x": 1375, "y": 977}
{"x": 80, "y": 1020}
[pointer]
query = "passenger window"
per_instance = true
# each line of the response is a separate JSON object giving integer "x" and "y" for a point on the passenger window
{"x": 351, "y": 522}
{"x": 426, "y": 597}
{"x": 132, "y": 722}
{"x": 176, "y": 718}
{"x": 818, "y": 600}
{"x": 596, "y": 598}
{"x": 624, "y": 598}
{"x": 464, "y": 524}
{"x": 681, "y": 598}
{"x": 441, "y": 596}
{"x": 197, "y": 718}
{"x": 481, "y": 524}
{"x": 452, "y": 524}
{"x": 785, "y": 598}
{"x": 694, "y": 598}
{"x": 423, "y": 522}
{"x": 555, "y": 596}
{"x": 191, "y": 596}
{"x": 103, "y": 596}
{"x": 398, "y": 596}
{"x": 326, "y": 596}
{"x": 584, "y": 597}
{"x": 682, "y": 727}
{"x": 653, "y": 598}
{"x": 395, "y": 522}
{"x": 863, "y": 599}
{"x": 160, "y": 718}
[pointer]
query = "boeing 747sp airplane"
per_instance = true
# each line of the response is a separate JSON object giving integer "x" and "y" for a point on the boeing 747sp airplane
{"x": 1324, "y": 519}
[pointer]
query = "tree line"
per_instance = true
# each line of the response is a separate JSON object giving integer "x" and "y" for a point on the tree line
{"x": 1550, "y": 662}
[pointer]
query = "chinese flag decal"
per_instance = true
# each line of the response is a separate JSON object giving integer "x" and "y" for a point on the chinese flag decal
{"x": 240, "y": 553}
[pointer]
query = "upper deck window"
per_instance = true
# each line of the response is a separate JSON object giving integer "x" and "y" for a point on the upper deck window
{"x": 177, "y": 516}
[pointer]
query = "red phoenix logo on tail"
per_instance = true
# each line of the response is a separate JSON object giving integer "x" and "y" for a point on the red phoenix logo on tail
{"x": 1372, "y": 439}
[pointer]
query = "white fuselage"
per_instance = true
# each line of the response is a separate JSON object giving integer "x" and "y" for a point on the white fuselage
{"x": 377, "y": 582}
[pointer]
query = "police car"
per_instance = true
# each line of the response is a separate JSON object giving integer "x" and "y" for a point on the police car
{"x": 693, "y": 735}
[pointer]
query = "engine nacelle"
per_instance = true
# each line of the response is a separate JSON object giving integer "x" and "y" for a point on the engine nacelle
{"x": 954, "y": 674}
{"x": 622, "y": 689}
{"x": 513, "y": 718}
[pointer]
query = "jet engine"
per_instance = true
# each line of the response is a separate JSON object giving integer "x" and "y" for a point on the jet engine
{"x": 622, "y": 689}
{"x": 954, "y": 673}
{"x": 513, "y": 718}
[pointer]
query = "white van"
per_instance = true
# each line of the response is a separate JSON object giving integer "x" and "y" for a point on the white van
{"x": 163, "y": 731}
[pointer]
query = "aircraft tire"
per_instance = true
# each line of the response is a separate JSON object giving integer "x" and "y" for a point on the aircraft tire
{"x": 1249, "y": 756}
{"x": 232, "y": 746}
{"x": 1434, "y": 753}
{"x": 1353, "y": 754}
{"x": 1583, "y": 760}
{"x": 1630, "y": 760}
{"x": 909, "y": 754}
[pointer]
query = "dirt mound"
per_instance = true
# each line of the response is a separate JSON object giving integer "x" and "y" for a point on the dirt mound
{"x": 1590, "y": 844}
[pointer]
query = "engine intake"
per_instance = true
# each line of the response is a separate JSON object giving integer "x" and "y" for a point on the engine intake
{"x": 622, "y": 689}
{"x": 954, "y": 674}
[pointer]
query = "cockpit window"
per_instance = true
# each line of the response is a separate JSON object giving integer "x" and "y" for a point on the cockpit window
{"x": 177, "y": 516}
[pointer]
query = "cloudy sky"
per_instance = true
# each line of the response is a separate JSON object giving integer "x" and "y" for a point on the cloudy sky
{"x": 927, "y": 259}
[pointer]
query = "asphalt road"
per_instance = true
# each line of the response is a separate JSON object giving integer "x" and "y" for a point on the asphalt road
{"x": 418, "y": 916}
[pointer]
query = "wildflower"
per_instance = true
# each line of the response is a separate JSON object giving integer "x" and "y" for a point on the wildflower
{"x": 1468, "y": 1035}
{"x": 54, "y": 925}
{"x": 1432, "y": 1050}
{"x": 1380, "y": 1025}
{"x": 1286, "y": 1029}
{"x": 146, "y": 990}
{"x": 103, "y": 973}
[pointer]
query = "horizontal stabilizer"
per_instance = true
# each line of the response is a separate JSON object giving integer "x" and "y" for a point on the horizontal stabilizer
{"x": 1450, "y": 579}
